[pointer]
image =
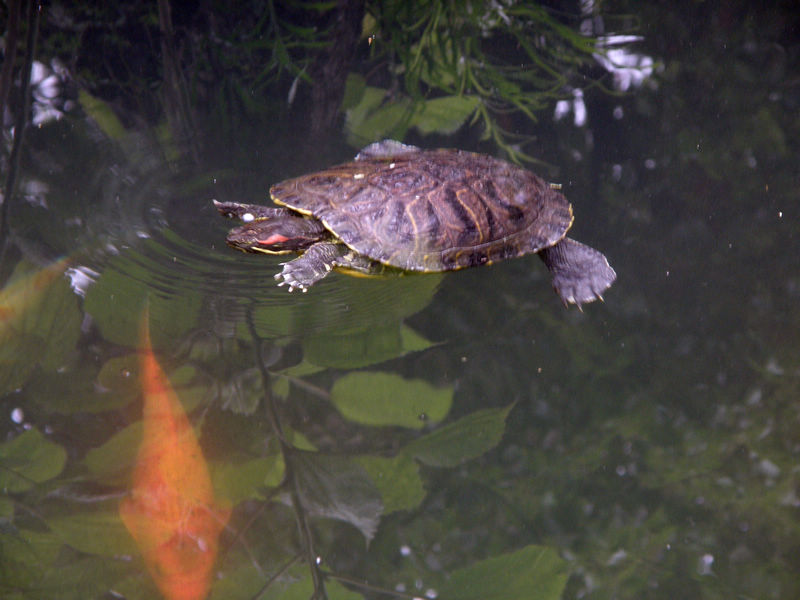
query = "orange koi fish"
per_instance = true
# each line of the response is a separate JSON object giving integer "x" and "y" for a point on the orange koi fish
{"x": 26, "y": 288}
{"x": 171, "y": 512}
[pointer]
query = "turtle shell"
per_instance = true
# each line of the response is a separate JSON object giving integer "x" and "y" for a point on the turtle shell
{"x": 431, "y": 210}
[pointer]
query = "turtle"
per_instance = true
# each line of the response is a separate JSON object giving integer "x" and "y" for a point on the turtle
{"x": 399, "y": 207}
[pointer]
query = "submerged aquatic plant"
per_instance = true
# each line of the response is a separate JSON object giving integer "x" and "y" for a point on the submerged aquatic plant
{"x": 390, "y": 66}
{"x": 498, "y": 63}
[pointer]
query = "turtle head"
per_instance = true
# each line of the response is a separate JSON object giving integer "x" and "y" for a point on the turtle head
{"x": 276, "y": 236}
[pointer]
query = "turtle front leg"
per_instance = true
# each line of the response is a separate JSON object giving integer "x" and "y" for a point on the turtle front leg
{"x": 319, "y": 260}
{"x": 307, "y": 269}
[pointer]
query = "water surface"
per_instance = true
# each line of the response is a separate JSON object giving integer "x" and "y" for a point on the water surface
{"x": 450, "y": 436}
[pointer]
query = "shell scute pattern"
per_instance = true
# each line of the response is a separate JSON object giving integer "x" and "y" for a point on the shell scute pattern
{"x": 432, "y": 210}
{"x": 401, "y": 178}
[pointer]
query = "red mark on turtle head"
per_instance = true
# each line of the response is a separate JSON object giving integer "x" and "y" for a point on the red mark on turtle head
{"x": 275, "y": 238}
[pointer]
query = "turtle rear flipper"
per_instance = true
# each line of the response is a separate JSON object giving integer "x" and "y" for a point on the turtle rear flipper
{"x": 580, "y": 273}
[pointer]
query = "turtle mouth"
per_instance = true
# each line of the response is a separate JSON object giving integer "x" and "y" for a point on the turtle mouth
{"x": 260, "y": 250}
{"x": 256, "y": 248}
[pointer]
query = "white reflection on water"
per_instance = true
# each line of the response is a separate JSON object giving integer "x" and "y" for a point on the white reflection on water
{"x": 80, "y": 278}
{"x": 46, "y": 88}
{"x": 630, "y": 69}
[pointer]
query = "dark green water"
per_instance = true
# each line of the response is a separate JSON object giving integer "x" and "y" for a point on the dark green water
{"x": 456, "y": 436}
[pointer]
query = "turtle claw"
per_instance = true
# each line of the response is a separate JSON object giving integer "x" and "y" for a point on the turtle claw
{"x": 290, "y": 286}
{"x": 288, "y": 278}
{"x": 304, "y": 271}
